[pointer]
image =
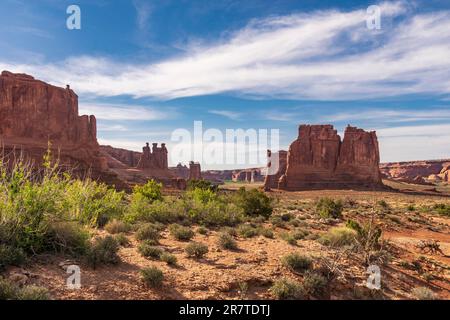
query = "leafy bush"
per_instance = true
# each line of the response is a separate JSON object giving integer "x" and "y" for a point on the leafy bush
{"x": 254, "y": 202}
{"x": 231, "y": 231}
{"x": 267, "y": 233}
{"x": 11, "y": 256}
{"x": 226, "y": 241}
{"x": 286, "y": 289}
{"x": 328, "y": 208}
{"x": 277, "y": 221}
{"x": 117, "y": 226}
{"x": 10, "y": 291}
{"x": 202, "y": 230}
{"x": 147, "y": 232}
{"x": 289, "y": 238}
{"x": 314, "y": 284}
{"x": 151, "y": 191}
{"x": 297, "y": 262}
{"x": 122, "y": 240}
{"x": 181, "y": 233}
{"x": 93, "y": 203}
{"x": 247, "y": 231}
{"x": 140, "y": 209}
{"x": 442, "y": 209}
{"x": 150, "y": 251}
{"x": 33, "y": 293}
{"x": 201, "y": 184}
{"x": 300, "y": 234}
{"x": 169, "y": 258}
{"x": 67, "y": 237}
{"x": 103, "y": 251}
{"x": 196, "y": 250}
{"x": 152, "y": 277}
{"x": 338, "y": 237}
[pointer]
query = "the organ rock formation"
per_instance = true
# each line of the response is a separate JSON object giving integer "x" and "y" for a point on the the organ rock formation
{"x": 318, "y": 159}
{"x": 34, "y": 114}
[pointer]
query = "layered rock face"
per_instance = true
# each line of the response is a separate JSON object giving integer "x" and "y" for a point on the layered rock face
{"x": 195, "y": 171}
{"x": 318, "y": 159}
{"x": 271, "y": 180}
{"x": 417, "y": 171}
{"x": 125, "y": 157}
{"x": 34, "y": 113}
{"x": 217, "y": 176}
{"x": 248, "y": 175}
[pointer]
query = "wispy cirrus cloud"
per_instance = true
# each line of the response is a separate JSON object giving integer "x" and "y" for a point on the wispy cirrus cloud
{"x": 228, "y": 114}
{"x": 419, "y": 142}
{"x": 125, "y": 112}
{"x": 320, "y": 55}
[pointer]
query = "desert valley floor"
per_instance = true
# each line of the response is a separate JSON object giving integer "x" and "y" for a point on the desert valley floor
{"x": 248, "y": 272}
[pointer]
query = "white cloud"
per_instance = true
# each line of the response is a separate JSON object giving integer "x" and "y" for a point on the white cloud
{"x": 124, "y": 112}
{"x": 414, "y": 142}
{"x": 228, "y": 114}
{"x": 320, "y": 55}
{"x": 390, "y": 115}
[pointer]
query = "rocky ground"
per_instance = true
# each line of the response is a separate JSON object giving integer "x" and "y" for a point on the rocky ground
{"x": 249, "y": 271}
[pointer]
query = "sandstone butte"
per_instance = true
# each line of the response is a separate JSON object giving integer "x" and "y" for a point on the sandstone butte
{"x": 34, "y": 113}
{"x": 318, "y": 159}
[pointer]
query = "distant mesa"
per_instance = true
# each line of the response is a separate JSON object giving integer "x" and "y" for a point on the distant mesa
{"x": 318, "y": 159}
{"x": 425, "y": 172}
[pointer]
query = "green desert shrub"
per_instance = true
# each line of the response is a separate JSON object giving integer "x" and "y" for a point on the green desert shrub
{"x": 151, "y": 191}
{"x": 147, "y": 232}
{"x": 254, "y": 202}
{"x": 10, "y": 291}
{"x": 203, "y": 231}
{"x": 329, "y": 208}
{"x": 32, "y": 292}
{"x": 314, "y": 283}
{"x": 160, "y": 211}
{"x": 442, "y": 209}
{"x": 286, "y": 289}
{"x": 67, "y": 237}
{"x": 247, "y": 231}
{"x": 338, "y": 237}
{"x": 11, "y": 256}
{"x": 181, "y": 233}
{"x": 117, "y": 226}
{"x": 169, "y": 258}
{"x": 150, "y": 251}
{"x": 300, "y": 234}
{"x": 196, "y": 250}
{"x": 231, "y": 231}
{"x": 267, "y": 233}
{"x": 152, "y": 277}
{"x": 201, "y": 184}
{"x": 226, "y": 241}
{"x": 122, "y": 240}
{"x": 93, "y": 203}
{"x": 103, "y": 251}
{"x": 289, "y": 238}
{"x": 297, "y": 262}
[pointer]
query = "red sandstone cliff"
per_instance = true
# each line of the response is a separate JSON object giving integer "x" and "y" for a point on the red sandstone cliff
{"x": 417, "y": 171}
{"x": 33, "y": 113}
{"x": 318, "y": 159}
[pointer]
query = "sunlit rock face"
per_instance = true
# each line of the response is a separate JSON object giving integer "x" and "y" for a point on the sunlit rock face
{"x": 318, "y": 159}
{"x": 34, "y": 114}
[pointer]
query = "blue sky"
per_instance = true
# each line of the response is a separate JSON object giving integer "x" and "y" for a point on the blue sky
{"x": 146, "y": 68}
